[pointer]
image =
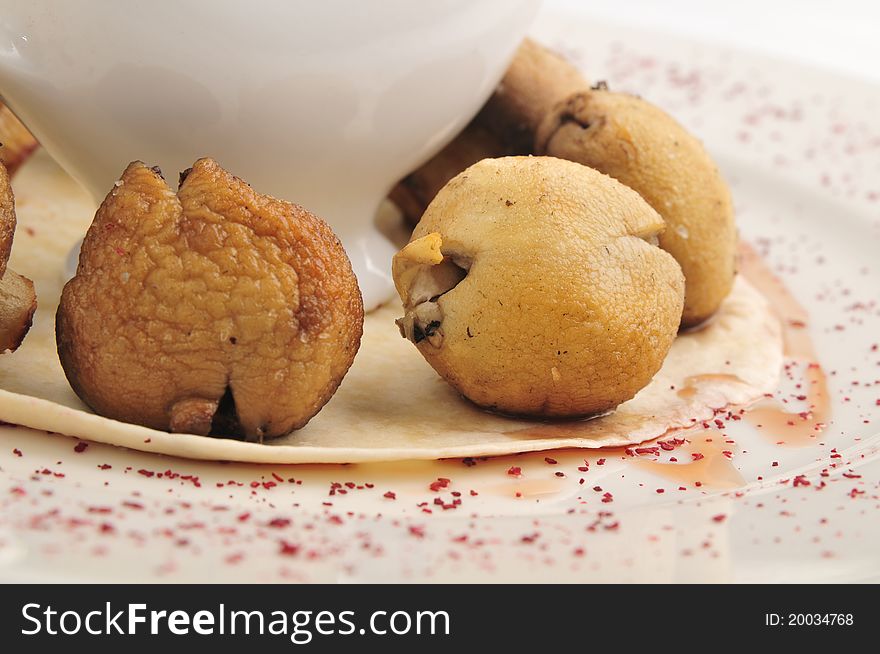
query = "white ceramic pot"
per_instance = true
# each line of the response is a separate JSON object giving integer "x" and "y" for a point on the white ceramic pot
{"x": 325, "y": 103}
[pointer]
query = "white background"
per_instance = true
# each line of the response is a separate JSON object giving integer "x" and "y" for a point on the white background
{"x": 839, "y": 35}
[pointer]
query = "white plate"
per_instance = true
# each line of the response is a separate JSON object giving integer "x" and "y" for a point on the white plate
{"x": 801, "y": 149}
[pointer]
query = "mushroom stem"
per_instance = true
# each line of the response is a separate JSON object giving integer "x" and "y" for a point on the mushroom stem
{"x": 535, "y": 82}
{"x": 423, "y": 273}
{"x": 414, "y": 193}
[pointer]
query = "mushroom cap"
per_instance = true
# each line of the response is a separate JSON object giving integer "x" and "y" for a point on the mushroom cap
{"x": 16, "y": 142}
{"x": 562, "y": 306}
{"x": 213, "y": 310}
{"x": 7, "y": 218}
{"x": 642, "y": 146}
{"x": 18, "y": 301}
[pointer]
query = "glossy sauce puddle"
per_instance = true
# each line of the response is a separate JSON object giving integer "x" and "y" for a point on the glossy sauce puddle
{"x": 797, "y": 429}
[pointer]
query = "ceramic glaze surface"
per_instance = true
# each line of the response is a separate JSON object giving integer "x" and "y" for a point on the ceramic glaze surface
{"x": 324, "y": 104}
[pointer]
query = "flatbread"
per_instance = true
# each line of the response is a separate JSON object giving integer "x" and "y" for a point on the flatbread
{"x": 391, "y": 405}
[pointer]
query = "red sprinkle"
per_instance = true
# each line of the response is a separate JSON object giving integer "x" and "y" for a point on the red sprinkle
{"x": 288, "y": 549}
{"x": 279, "y": 523}
{"x": 442, "y": 482}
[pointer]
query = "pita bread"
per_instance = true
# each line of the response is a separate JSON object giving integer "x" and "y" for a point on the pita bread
{"x": 391, "y": 405}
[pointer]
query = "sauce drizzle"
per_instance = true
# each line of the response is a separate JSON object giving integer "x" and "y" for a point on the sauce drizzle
{"x": 794, "y": 428}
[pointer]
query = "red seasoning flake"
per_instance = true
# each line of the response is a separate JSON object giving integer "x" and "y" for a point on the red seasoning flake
{"x": 442, "y": 482}
{"x": 721, "y": 517}
{"x": 417, "y": 531}
{"x": 514, "y": 471}
{"x": 80, "y": 447}
{"x": 287, "y": 549}
{"x": 550, "y": 461}
{"x": 696, "y": 456}
{"x": 600, "y": 462}
{"x": 279, "y": 523}
{"x": 146, "y": 473}
{"x": 390, "y": 495}
{"x": 801, "y": 480}
{"x": 16, "y": 452}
